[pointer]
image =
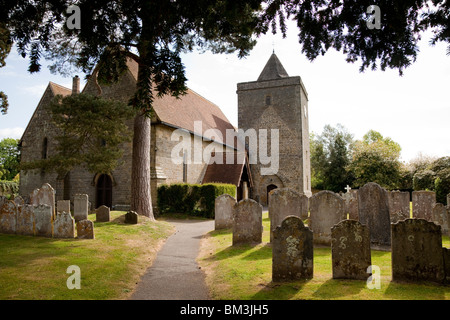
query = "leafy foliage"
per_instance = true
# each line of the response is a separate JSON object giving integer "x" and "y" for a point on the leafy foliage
{"x": 330, "y": 157}
{"x": 434, "y": 177}
{"x": 376, "y": 159}
{"x": 91, "y": 130}
{"x": 9, "y": 158}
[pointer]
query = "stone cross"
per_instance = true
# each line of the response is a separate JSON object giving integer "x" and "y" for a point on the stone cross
{"x": 348, "y": 188}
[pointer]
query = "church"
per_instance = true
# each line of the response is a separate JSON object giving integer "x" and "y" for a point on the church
{"x": 275, "y": 102}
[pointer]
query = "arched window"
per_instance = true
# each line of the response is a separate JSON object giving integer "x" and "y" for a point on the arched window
{"x": 45, "y": 148}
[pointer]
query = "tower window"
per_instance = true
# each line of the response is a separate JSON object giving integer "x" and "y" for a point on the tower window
{"x": 268, "y": 100}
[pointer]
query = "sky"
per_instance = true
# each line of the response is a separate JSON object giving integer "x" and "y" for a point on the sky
{"x": 413, "y": 110}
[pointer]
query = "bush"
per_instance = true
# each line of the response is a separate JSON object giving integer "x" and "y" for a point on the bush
{"x": 191, "y": 199}
{"x": 9, "y": 188}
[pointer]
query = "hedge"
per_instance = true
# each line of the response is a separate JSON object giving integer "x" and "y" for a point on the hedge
{"x": 191, "y": 199}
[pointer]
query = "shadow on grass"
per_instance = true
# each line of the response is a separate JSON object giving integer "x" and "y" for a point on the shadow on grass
{"x": 264, "y": 252}
{"x": 402, "y": 290}
{"x": 339, "y": 288}
{"x": 279, "y": 290}
{"x": 231, "y": 251}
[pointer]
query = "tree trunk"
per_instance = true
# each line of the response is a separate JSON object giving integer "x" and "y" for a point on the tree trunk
{"x": 141, "y": 200}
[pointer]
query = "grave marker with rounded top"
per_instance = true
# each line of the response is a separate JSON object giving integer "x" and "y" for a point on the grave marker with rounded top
{"x": 292, "y": 251}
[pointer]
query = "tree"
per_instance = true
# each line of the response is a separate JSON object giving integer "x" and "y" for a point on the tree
{"x": 9, "y": 158}
{"x": 158, "y": 31}
{"x": 434, "y": 175}
{"x": 346, "y": 26}
{"x": 376, "y": 159}
{"x": 330, "y": 156}
{"x": 89, "y": 133}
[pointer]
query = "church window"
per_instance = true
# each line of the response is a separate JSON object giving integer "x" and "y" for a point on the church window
{"x": 184, "y": 167}
{"x": 268, "y": 100}
{"x": 44, "y": 148}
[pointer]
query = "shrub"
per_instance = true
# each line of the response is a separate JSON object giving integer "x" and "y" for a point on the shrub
{"x": 9, "y": 188}
{"x": 192, "y": 199}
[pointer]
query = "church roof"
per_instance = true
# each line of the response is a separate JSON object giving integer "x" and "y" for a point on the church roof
{"x": 183, "y": 112}
{"x": 273, "y": 70}
{"x": 229, "y": 173}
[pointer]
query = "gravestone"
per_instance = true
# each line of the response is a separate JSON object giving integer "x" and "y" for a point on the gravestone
{"x": 43, "y": 216}
{"x": 352, "y": 209}
{"x": 440, "y": 217}
{"x": 446, "y": 253}
{"x": 85, "y": 229}
{"x": 64, "y": 226}
{"x": 80, "y": 207}
{"x": 19, "y": 201}
{"x": 131, "y": 217}
{"x": 44, "y": 195}
{"x": 8, "y": 217}
{"x": 103, "y": 214}
{"x": 326, "y": 209}
{"x": 223, "y": 212}
{"x": 284, "y": 202}
{"x": 350, "y": 250}
{"x": 247, "y": 222}
{"x": 417, "y": 251}
{"x": 25, "y": 220}
{"x": 63, "y": 206}
{"x": 423, "y": 202}
{"x": 2, "y": 200}
{"x": 448, "y": 200}
{"x": 399, "y": 206}
{"x": 292, "y": 251}
{"x": 374, "y": 213}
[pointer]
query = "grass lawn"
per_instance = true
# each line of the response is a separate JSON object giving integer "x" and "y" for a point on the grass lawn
{"x": 245, "y": 273}
{"x": 35, "y": 268}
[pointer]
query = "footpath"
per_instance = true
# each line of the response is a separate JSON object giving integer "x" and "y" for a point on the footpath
{"x": 175, "y": 274}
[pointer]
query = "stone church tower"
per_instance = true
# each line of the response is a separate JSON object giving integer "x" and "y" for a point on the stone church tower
{"x": 278, "y": 101}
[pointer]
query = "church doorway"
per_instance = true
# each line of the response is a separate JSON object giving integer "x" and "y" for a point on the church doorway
{"x": 270, "y": 187}
{"x": 104, "y": 191}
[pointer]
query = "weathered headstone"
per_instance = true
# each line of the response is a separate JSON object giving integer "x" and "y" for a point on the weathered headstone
{"x": 247, "y": 222}
{"x": 417, "y": 251}
{"x": 19, "y": 201}
{"x": 399, "y": 206}
{"x": 85, "y": 229}
{"x": 131, "y": 217}
{"x": 326, "y": 209}
{"x": 423, "y": 202}
{"x": 103, "y": 214}
{"x": 63, "y": 206}
{"x": 352, "y": 209}
{"x": 446, "y": 253}
{"x": 223, "y": 212}
{"x": 440, "y": 217}
{"x": 350, "y": 250}
{"x": 292, "y": 251}
{"x": 64, "y": 226}
{"x": 448, "y": 200}
{"x": 25, "y": 220}
{"x": 286, "y": 202}
{"x": 8, "y": 217}
{"x": 374, "y": 213}
{"x": 44, "y": 195}
{"x": 2, "y": 200}
{"x": 43, "y": 216}
{"x": 80, "y": 207}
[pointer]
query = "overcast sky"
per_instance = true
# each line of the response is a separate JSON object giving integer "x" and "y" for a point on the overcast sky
{"x": 413, "y": 110}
